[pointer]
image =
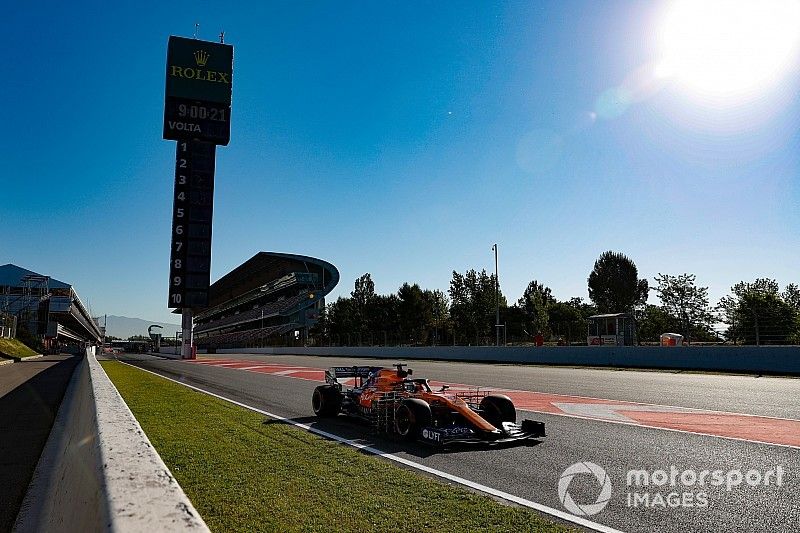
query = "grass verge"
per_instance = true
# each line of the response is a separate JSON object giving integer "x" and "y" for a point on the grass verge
{"x": 243, "y": 473}
{"x": 15, "y": 349}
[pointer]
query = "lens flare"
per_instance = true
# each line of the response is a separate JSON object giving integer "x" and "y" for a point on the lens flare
{"x": 729, "y": 48}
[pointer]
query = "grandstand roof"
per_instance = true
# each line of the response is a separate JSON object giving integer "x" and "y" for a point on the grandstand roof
{"x": 265, "y": 267}
{"x": 12, "y": 275}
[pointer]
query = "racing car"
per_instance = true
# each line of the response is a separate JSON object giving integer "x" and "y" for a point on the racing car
{"x": 395, "y": 403}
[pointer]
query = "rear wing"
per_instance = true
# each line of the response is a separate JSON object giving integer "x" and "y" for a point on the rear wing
{"x": 336, "y": 372}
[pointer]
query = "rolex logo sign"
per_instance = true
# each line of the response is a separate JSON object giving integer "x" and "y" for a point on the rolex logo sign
{"x": 199, "y": 74}
{"x": 199, "y": 70}
{"x": 200, "y": 57}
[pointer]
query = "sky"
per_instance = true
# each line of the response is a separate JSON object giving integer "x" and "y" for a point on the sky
{"x": 402, "y": 139}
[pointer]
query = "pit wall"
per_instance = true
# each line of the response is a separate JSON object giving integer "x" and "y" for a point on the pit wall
{"x": 749, "y": 359}
{"x": 98, "y": 470}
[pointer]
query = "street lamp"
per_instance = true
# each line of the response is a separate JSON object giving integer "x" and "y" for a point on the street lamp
{"x": 496, "y": 295}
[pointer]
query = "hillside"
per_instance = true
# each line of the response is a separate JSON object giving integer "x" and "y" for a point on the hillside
{"x": 15, "y": 349}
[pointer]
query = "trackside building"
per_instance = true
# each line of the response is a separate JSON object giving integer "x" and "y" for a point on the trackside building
{"x": 272, "y": 299}
{"x": 47, "y": 308}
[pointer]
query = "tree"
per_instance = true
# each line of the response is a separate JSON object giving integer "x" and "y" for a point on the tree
{"x": 320, "y": 331}
{"x": 652, "y": 321}
{"x": 362, "y": 296}
{"x": 681, "y": 298}
{"x": 534, "y": 287}
{"x": 792, "y": 296}
{"x": 565, "y": 320}
{"x": 756, "y": 313}
{"x": 440, "y": 314}
{"x": 614, "y": 284}
{"x": 586, "y": 310}
{"x": 535, "y": 302}
{"x": 415, "y": 312}
{"x": 363, "y": 291}
{"x": 384, "y": 318}
{"x": 461, "y": 312}
{"x": 472, "y": 307}
{"x": 342, "y": 320}
{"x": 514, "y": 319}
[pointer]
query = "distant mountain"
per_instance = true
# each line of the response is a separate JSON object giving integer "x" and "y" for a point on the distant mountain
{"x": 124, "y": 327}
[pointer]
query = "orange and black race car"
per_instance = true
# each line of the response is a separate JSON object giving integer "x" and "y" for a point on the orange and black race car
{"x": 394, "y": 403}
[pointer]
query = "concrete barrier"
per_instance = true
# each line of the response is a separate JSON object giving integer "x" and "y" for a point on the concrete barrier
{"x": 750, "y": 359}
{"x": 98, "y": 470}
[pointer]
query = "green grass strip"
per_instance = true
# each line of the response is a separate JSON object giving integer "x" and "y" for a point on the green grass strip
{"x": 14, "y": 348}
{"x": 246, "y": 473}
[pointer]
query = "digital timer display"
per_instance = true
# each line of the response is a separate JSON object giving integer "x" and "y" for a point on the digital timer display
{"x": 192, "y": 119}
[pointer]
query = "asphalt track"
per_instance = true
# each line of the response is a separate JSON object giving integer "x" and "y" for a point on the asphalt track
{"x": 283, "y": 385}
{"x": 30, "y": 395}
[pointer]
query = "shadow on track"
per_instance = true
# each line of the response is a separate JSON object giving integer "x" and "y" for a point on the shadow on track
{"x": 27, "y": 413}
{"x": 346, "y": 428}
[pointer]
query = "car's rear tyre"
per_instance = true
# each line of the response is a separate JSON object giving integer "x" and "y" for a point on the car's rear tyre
{"x": 411, "y": 417}
{"x": 497, "y": 409}
{"x": 326, "y": 401}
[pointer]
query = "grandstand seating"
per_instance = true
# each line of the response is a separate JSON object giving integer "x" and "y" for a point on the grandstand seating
{"x": 243, "y": 338}
{"x": 269, "y": 310}
{"x": 272, "y": 298}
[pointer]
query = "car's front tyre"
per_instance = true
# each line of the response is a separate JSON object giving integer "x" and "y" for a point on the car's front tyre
{"x": 497, "y": 409}
{"x": 411, "y": 417}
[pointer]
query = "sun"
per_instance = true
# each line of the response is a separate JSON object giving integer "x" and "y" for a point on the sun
{"x": 723, "y": 48}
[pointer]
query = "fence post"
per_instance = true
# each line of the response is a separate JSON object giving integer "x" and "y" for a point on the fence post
{"x": 758, "y": 337}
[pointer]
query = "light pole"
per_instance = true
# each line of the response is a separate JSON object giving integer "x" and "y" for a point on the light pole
{"x": 496, "y": 295}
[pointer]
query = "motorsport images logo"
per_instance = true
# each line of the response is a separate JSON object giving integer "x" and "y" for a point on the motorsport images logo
{"x": 586, "y": 509}
{"x": 667, "y": 488}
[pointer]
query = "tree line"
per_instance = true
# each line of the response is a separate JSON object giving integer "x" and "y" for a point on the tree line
{"x": 755, "y": 312}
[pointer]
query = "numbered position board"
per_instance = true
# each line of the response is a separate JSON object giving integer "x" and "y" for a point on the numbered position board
{"x": 193, "y": 207}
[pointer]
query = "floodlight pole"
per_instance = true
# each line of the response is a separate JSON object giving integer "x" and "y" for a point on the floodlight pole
{"x": 496, "y": 295}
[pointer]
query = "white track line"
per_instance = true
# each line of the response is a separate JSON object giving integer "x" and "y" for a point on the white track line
{"x": 401, "y": 460}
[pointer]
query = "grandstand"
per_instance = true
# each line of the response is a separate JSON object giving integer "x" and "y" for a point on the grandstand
{"x": 271, "y": 299}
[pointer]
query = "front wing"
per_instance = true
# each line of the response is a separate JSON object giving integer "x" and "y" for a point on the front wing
{"x": 511, "y": 432}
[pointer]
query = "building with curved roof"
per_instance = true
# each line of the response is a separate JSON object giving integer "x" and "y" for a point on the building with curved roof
{"x": 270, "y": 299}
